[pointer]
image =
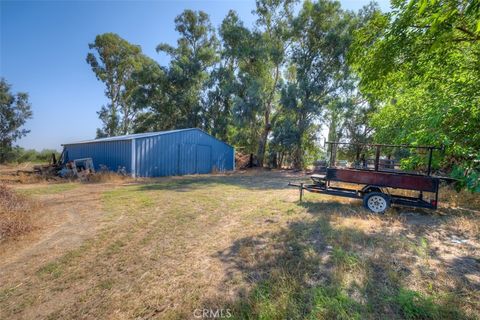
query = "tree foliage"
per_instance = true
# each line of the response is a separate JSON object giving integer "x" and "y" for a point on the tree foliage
{"x": 116, "y": 62}
{"x": 318, "y": 72}
{"x": 420, "y": 65}
{"x": 15, "y": 110}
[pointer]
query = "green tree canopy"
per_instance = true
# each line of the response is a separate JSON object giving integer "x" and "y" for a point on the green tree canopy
{"x": 191, "y": 61}
{"x": 15, "y": 110}
{"x": 115, "y": 62}
{"x": 420, "y": 64}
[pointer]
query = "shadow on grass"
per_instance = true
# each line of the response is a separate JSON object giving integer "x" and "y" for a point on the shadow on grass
{"x": 316, "y": 270}
{"x": 263, "y": 180}
{"x": 462, "y": 270}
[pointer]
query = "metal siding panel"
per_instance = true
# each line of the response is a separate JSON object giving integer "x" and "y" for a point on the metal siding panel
{"x": 187, "y": 160}
{"x": 177, "y": 153}
{"x": 204, "y": 159}
{"x": 111, "y": 153}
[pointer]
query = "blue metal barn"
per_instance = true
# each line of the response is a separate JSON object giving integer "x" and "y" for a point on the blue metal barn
{"x": 156, "y": 154}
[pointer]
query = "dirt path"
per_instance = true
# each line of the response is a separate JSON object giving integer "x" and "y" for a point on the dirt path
{"x": 66, "y": 218}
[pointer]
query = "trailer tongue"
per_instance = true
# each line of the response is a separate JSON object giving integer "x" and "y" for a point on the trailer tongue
{"x": 375, "y": 185}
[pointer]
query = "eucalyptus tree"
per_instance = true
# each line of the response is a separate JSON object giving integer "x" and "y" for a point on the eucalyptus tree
{"x": 153, "y": 104}
{"x": 321, "y": 40}
{"x": 191, "y": 62}
{"x": 114, "y": 62}
{"x": 273, "y": 37}
{"x": 223, "y": 82}
{"x": 242, "y": 56}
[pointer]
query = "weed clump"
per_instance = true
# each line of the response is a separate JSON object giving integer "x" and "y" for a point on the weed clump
{"x": 15, "y": 213}
{"x": 108, "y": 177}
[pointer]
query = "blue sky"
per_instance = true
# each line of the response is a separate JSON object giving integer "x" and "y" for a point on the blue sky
{"x": 43, "y": 45}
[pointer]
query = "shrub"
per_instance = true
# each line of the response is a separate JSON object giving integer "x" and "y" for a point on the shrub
{"x": 21, "y": 155}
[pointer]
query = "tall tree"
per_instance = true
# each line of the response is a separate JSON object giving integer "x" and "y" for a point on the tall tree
{"x": 241, "y": 58}
{"x": 191, "y": 61}
{"x": 114, "y": 62}
{"x": 152, "y": 100}
{"x": 273, "y": 36}
{"x": 15, "y": 110}
{"x": 322, "y": 37}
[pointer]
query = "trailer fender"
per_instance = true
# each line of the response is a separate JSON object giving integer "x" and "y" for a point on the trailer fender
{"x": 371, "y": 188}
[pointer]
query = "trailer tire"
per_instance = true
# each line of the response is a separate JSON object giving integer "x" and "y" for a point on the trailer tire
{"x": 377, "y": 202}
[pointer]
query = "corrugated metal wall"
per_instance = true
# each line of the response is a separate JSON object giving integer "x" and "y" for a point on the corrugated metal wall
{"x": 109, "y": 153}
{"x": 178, "y": 153}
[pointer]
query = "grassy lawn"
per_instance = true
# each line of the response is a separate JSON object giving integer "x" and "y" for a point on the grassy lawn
{"x": 243, "y": 243}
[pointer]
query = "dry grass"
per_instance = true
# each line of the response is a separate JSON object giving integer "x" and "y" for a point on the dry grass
{"x": 108, "y": 177}
{"x": 244, "y": 243}
{"x": 15, "y": 214}
{"x": 459, "y": 200}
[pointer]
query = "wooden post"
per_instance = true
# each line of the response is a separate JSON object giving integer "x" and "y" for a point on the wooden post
{"x": 301, "y": 191}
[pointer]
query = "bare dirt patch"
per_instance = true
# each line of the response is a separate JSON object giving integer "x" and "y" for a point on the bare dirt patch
{"x": 63, "y": 219}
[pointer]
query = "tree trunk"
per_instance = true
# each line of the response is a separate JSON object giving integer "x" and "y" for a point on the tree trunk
{"x": 298, "y": 162}
{"x": 262, "y": 145}
{"x": 332, "y": 136}
{"x": 298, "y": 159}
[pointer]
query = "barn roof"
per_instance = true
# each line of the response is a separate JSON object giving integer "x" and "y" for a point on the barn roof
{"x": 137, "y": 136}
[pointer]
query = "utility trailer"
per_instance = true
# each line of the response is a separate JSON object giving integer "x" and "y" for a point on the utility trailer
{"x": 375, "y": 185}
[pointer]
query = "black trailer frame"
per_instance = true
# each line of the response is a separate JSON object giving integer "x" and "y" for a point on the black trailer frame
{"x": 377, "y": 183}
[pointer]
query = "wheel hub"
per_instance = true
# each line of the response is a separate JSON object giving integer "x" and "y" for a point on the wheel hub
{"x": 377, "y": 204}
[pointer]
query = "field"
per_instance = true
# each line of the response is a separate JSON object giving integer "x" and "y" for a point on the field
{"x": 236, "y": 246}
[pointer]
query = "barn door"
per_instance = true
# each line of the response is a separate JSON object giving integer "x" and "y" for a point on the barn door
{"x": 204, "y": 159}
{"x": 186, "y": 159}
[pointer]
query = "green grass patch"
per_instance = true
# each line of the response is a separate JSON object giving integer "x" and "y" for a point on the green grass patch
{"x": 127, "y": 200}
{"x": 415, "y": 305}
{"x": 56, "y": 268}
{"x": 345, "y": 259}
{"x": 333, "y": 303}
{"x": 49, "y": 189}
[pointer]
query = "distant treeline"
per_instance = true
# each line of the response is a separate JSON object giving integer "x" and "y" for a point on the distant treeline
{"x": 21, "y": 155}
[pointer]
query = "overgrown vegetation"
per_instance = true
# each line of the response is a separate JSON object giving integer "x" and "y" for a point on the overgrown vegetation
{"x": 420, "y": 64}
{"x": 21, "y": 155}
{"x": 15, "y": 213}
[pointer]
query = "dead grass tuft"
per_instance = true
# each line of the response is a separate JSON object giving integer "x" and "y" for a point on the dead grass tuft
{"x": 463, "y": 199}
{"x": 15, "y": 213}
{"x": 107, "y": 177}
{"x": 466, "y": 226}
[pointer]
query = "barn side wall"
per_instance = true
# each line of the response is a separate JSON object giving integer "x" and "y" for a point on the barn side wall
{"x": 112, "y": 154}
{"x": 178, "y": 153}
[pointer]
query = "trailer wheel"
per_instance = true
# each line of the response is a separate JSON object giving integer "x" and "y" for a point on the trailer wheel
{"x": 376, "y": 202}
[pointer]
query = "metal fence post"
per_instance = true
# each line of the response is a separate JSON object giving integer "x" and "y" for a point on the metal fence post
{"x": 377, "y": 158}
{"x": 301, "y": 191}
